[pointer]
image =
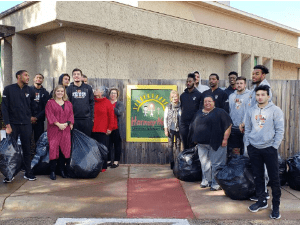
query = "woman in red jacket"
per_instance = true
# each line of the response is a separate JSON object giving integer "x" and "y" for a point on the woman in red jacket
{"x": 60, "y": 120}
{"x": 103, "y": 118}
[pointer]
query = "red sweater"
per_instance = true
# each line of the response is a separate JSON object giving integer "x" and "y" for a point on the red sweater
{"x": 115, "y": 118}
{"x": 103, "y": 115}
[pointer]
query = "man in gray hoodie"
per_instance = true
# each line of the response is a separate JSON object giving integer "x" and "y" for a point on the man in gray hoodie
{"x": 264, "y": 130}
{"x": 238, "y": 106}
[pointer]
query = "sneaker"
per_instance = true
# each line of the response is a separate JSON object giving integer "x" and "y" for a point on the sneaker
{"x": 215, "y": 189}
{"x": 258, "y": 205}
{"x": 275, "y": 213}
{"x": 255, "y": 198}
{"x": 6, "y": 180}
{"x": 204, "y": 185}
{"x": 30, "y": 177}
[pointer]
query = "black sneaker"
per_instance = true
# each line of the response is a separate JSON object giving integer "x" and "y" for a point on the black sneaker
{"x": 255, "y": 198}
{"x": 275, "y": 213}
{"x": 6, "y": 180}
{"x": 258, "y": 205}
{"x": 30, "y": 177}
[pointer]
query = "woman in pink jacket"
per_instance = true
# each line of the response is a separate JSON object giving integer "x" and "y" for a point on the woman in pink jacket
{"x": 60, "y": 120}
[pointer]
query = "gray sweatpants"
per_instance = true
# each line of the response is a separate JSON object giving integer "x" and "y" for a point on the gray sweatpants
{"x": 211, "y": 160}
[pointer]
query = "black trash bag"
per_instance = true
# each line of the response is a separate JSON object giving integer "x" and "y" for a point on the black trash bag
{"x": 236, "y": 178}
{"x": 10, "y": 157}
{"x": 294, "y": 172}
{"x": 187, "y": 165}
{"x": 40, "y": 162}
{"x": 87, "y": 156}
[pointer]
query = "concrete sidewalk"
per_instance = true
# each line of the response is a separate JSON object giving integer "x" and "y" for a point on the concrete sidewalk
{"x": 44, "y": 201}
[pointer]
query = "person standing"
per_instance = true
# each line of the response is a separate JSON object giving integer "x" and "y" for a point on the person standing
{"x": 210, "y": 131}
{"x": 238, "y": 106}
{"x": 103, "y": 119}
{"x": 221, "y": 98}
{"x": 17, "y": 110}
{"x": 60, "y": 120}
{"x": 39, "y": 104}
{"x": 201, "y": 88}
{"x": 264, "y": 130}
{"x": 118, "y": 130}
{"x": 64, "y": 79}
{"x": 232, "y": 76}
{"x": 82, "y": 98}
{"x": 172, "y": 115}
{"x": 190, "y": 103}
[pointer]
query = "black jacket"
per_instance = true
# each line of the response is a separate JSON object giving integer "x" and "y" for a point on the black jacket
{"x": 229, "y": 90}
{"x": 40, "y": 101}
{"x": 82, "y": 99}
{"x": 220, "y": 96}
{"x": 17, "y": 104}
{"x": 190, "y": 103}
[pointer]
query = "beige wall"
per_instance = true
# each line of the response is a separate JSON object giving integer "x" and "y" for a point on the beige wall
{"x": 107, "y": 56}
{"x": 6, "y": 63}
{"x": 51, "y": 55}
{"x": 285, "y": 71}
{"x": 207, "y": 15}
{"x": 24, "y": 55}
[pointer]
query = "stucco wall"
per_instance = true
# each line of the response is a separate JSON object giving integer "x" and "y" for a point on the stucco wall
{"x": 284, "y": 71}
{"x": 205, "y": 15}
{"x": 51, "y": 55}
{"x": 111, "y": 56}
{"x": 6, "y": 63}
{"x": 24, "y": 55}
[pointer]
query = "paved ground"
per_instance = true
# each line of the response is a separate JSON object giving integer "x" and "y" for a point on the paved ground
{"x": 45, "y": 201}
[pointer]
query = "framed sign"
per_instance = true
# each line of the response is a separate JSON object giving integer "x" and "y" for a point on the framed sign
{"x": 145, "y": 112}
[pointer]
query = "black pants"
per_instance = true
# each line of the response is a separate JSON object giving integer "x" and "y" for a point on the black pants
{"x": 25, "y": 132}
{"x": 62, "y": 161}
{"x": 171, "y": 136}
{"x": 84, "y": 125}
{"x": 38, "y": 130}
{"x": 259, "y": 157}
{"x": 103, "y": 139}
{"x": 115, "y": 146}
{"x": 184, "y": 133}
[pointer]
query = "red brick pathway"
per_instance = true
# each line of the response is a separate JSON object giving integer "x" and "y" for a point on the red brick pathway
{"x": 157, "y": 198}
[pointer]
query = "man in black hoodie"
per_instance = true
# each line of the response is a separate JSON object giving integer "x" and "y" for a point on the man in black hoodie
{"x": 190, "y": 103}
{"x": 64, "y": 80}
{"x": 82, "y": 98}
{"x": 39, "y": 104}
{"x": 17, "y": 108}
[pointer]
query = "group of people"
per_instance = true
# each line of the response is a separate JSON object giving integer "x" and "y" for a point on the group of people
{"x": 96, "y": 113}
{"x": 219, "y": 123}
{"x": 225, "y": 122}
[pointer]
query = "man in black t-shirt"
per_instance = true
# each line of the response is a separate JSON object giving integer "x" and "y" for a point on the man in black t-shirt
{"x": 220, "y": 96}
{"x": 190, "y": 103}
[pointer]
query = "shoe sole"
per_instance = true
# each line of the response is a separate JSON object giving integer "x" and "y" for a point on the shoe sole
{"x": 9, "y": 181}
{"x": 254, "y": 200}
{"x": 264, "y": 207}
{"x": 29, "y": 178}
{"x": 276, "y": 218}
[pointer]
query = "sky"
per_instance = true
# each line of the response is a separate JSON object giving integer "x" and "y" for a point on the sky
{"x": 283, "y": 12}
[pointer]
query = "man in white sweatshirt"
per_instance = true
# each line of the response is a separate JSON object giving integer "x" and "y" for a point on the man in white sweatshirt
{"x": 264, "y": 130}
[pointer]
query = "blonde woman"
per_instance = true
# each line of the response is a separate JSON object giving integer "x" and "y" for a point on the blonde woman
{"x": 171, "y": 125}
{"x": 60, "y": 120}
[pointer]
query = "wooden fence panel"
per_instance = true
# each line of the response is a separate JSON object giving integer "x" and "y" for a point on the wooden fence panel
{"x": 286, "y": 95}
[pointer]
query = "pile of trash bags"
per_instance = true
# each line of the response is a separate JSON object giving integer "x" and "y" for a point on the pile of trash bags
{"x": 187, "y": 165}
{"x": 294, "y": 172}
{"x": 87, "y": 156}
{"x": 236, "y": 178}
{"x": 10, "y": 157}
